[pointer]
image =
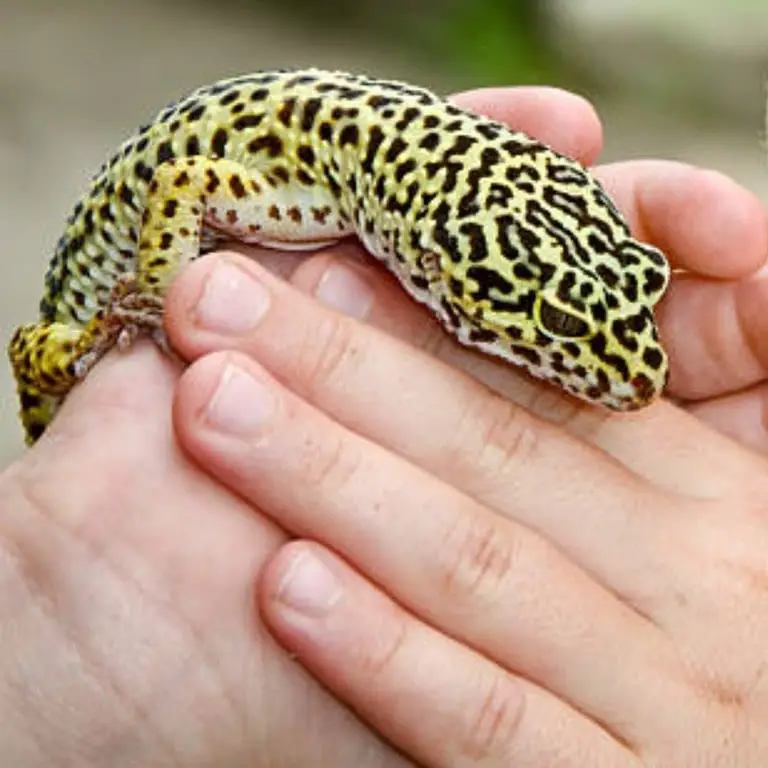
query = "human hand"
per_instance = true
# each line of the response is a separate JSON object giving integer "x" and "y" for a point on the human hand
{"x": 483, "y": 585}
{"x": 127, "y": 589}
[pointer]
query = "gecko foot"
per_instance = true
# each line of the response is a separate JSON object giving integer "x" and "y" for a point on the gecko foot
{"x": 131, "y": 312}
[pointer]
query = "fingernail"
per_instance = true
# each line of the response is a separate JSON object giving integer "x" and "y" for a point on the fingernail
{"x": 309, "y": 586}
{"x": 343, "y": 289}
{"x": 240, "y": 404}
{"x": 232, "y": 301}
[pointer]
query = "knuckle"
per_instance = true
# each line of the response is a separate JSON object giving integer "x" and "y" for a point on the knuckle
{"x": 494, "y": 726}
{"x": 504, "y": 435}
{"x": 329, "y": 350}
{"x": 477, "y": 558}
{"x": 381, "y": 659}
{"x": 329, "y": 463}
{"x": 509, "y": 438}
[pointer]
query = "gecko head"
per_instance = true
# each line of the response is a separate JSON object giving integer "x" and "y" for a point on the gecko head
{"x": 570, "y": 301}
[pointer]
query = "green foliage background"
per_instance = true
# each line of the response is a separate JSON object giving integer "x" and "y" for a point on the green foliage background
{"x": 489, "y": 41}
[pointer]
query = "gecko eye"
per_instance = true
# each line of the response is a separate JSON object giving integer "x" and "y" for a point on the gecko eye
{"x": 557, "y": 322}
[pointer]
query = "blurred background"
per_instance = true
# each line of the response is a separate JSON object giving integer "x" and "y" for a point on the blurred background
{"x": 670, "y": 78}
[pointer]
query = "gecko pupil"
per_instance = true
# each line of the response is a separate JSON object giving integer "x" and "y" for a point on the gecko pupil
{"x": 563, "y": 324}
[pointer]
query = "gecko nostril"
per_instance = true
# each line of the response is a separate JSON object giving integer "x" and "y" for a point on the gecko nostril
{"x": 644, "y": 389}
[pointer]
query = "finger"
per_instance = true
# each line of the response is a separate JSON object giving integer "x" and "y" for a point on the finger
{"x": 490, "y": 582}
{"x": 563, "y": 120}
{"x": 438, "y": 701}
{"x": 702, "y": 220}
{"x": 717, "y": 336}
{"x": 743, "y": 416}
{"x": 661, "y": 443}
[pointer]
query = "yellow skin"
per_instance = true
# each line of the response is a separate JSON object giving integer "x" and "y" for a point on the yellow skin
{"x": 515, "y": 248}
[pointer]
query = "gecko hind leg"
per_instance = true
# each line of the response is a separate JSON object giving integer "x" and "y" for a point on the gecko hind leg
{"x": 191, "y": 202}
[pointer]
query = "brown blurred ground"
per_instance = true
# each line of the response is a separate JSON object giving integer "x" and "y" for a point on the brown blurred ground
{"x": 76, "y": 76}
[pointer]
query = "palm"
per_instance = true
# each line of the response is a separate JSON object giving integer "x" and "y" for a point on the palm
{"x": 135, "y": 588}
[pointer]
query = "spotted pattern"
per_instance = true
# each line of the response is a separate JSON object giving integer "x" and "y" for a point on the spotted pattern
{"x": 515, "y": 248}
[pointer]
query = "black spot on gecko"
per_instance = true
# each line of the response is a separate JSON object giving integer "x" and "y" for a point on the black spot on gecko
{"x": 219, "y": 142}
{"x": 376, "y": 101}
{"x": 247, "y": 121}
{"x": 477, "y": 243}
{"x": 306, "y": 154}
{"x": 193, "y": 145}
{"x": 196, "y": 113}
{"x": 304, "y": 178}
{"x": 282, "y": 174}
{"x": 607, "y": 275}
{"x": 409, "y": 115}
{"x": 311, "y": 108}
{"x": 653, "y": 358}
{"x": 375, "y": 139}
{"x": 237, "y": 187}
{"x": 143, "y": 171}
{"x": 403, "y": 169}
{"x": 599, "y": 346}
{"x": 165, "y": 152}
{"x": 300, "y": 80}
{"x": 229, "y": 98}
{"x": 531, "y": 355}
{"x": 349, "y": 135}
{"x": 285, "y": 112}
{"x": 396, "y": 148}
{"x": 270, "y": 143}
{"x": 126, "y": 195}
{"x": 654, "y": 281}
{"x": 213, "y": 181}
